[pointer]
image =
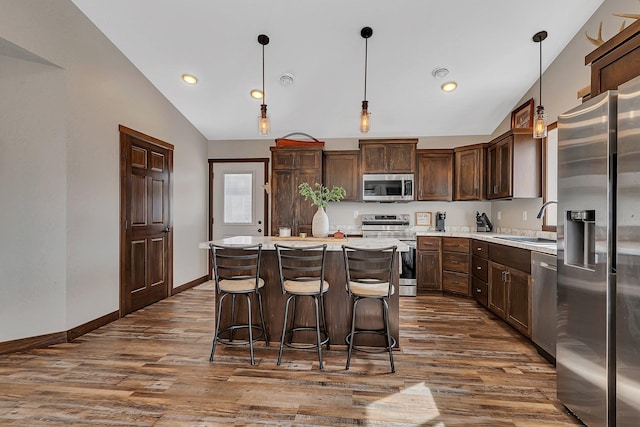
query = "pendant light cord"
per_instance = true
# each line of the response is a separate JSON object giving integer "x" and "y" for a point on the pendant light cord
{"x": 264, "y": 95}
{"x": 540, "y": 99}
{"x": 366, "y": 50}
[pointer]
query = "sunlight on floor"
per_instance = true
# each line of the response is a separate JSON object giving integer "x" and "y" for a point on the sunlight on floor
{"x": 414, "y": 404}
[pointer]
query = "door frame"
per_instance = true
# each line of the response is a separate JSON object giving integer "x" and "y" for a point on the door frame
{"x": 265, "y": 162}
{"x": 125, "y": 131}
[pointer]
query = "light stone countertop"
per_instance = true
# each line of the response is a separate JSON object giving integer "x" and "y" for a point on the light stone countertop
{"x": 268, "y": 242}
{"x": 547, "y": 248}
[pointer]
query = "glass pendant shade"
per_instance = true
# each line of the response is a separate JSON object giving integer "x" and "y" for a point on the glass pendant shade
{"x": 263, "y": 121}
{"x": 540, "y": 123}
{"x": 364, "y": 118}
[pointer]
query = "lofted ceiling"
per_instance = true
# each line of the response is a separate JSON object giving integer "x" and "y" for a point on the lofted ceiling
{"x": 485, "y": 45}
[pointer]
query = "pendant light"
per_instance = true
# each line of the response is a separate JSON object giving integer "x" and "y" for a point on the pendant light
{"x": 263, "y": 120}
{"x": 366, "y": 32}
{"x": 539, "y": 121}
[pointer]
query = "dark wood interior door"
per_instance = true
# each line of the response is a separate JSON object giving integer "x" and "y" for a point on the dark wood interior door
{"x": 146, "y": 229}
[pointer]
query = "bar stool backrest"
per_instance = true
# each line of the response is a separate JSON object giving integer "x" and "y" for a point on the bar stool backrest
{"x": 370, "y": 266}
{"x": 236, "y": 263}
{"x": 303, "y": 264}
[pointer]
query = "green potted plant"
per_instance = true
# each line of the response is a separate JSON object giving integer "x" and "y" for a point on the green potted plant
{"x": 321, "y": 196}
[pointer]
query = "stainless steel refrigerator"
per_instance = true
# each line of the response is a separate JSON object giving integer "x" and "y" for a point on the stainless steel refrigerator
{"x": 598, "y": 313}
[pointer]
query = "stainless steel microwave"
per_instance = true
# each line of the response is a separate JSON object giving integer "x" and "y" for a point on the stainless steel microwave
{"x": 379, "y": 187}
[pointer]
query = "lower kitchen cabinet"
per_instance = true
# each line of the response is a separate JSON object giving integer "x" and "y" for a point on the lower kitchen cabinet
{"x": 510, "y": 286}
{"x": 428, "y": 275}
{"x": 480, "y": 271}
{"x": 455, "y": 265}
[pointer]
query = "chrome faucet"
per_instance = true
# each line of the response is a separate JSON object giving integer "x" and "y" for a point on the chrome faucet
{"x": 544, "y": 207}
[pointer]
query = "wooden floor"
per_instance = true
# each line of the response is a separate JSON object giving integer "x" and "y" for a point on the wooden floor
{"x": 458, "y": 366}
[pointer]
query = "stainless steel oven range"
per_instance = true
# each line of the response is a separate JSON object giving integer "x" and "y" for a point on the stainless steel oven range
{"x": 396, "y": 226}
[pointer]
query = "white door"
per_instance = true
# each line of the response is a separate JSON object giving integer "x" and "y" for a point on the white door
{"x": 238, "y": 199}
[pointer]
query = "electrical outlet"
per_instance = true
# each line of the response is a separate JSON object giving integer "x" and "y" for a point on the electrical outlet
{"x": 524, "y": 215}
{"x": 356, "y": 214}
{"x": 499, "y": 215}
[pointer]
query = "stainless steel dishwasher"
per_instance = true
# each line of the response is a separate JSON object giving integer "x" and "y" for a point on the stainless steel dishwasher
{"x": 544, "y": 285}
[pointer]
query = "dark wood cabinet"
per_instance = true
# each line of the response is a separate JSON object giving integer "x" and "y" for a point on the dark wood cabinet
{"x": 388, "y": 156}
{"x": 616, "y": 61}
{"x": 291, "y": 166}
{"x": 428, "y": 269}
{"x": 455, "y": 265}
{"x": 519, "y": 307}
{"x": 497, "y": 289}
{"x": 342, "y": 169}
{"x": 514, "y": 165}
{"x": 435, "y": 175}
{"x": 480, "y": 271}
{"x": 469, "y": 167}
{"x": 510, "y": 286}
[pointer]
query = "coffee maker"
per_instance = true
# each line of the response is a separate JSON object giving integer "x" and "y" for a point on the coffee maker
{"x": 440, "y": 216}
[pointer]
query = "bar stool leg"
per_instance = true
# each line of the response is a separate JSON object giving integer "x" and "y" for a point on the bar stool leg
{"x": 385, "y": 309}
{"x": 293, "y": 320}
{"x": 233, "y": 309}
{"x": 324, "y": 320}
{"x": 352, "y": 334}
{"x": 264, "y": 328}
{"x": 253, "y": 362}
{"x": 215, "y": 336}
{"x": 317, "y": 309}
{"x": 284, "y": 327}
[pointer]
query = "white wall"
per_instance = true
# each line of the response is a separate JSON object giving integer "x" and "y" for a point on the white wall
{"x": 33, "y": 197}
{"x": 103, "y": 89}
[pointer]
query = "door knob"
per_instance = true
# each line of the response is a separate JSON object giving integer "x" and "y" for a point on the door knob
{"x": 259, "y": 230}
{"x": 259, "y": 222}
{"x": 166, "y": 230}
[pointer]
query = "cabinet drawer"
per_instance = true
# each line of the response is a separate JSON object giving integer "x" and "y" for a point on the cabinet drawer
{"x": 480, "y": 291}
{"x": 480, "y": 248}
{"x": 454, "y": 261}
{"x": 426, "y": 243}
{"x": 480, "y": 268}
{"x": 455, "y": 282}
{"x": 455, "y": 244}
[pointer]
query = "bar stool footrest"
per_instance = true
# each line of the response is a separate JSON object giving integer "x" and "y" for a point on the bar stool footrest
{"x": 370, "y": 349}
{"x": 289, "y": 333}
{"x": 229, "y": 329}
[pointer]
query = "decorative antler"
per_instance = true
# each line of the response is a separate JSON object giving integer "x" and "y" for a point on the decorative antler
{"x": 598, "y": 41}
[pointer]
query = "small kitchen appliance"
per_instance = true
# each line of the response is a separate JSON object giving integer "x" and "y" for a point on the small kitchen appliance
{"x": 483, "y": 223}
{"x": 440, "y": 217}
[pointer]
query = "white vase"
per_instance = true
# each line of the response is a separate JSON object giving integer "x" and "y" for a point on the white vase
{"x": 320, "y": 224}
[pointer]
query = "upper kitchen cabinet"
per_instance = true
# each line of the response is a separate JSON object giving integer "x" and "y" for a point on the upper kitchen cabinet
{"x": 342, "y": 169}
{"x": 291, "y": 166}
{"x": 616, "y": 61}
{"x": 435, "y": 175}
{"x": 514, "y": 165}
{"x": 469, "y": 167}
{"x": 388, "y": 156}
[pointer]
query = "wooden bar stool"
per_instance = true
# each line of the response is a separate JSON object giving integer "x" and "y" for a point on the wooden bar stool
{"x": 370, "y": 276}
{"x": 236, "y": 271}
{"x": 302, "y": 275}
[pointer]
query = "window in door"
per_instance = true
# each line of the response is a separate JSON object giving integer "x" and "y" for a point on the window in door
{"x": 238, "y": 198}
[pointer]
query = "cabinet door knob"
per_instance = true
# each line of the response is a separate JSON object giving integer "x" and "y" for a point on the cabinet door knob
{"x": 478, "y": 268}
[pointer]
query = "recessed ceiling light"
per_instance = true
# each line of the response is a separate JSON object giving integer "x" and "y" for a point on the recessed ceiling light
{"x": 449, "y": 86}
{"x": 256, "y": 93}
{"x": 189, "y": 79}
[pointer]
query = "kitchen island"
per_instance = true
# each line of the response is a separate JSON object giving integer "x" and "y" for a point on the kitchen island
{"x": 338, "y": 305}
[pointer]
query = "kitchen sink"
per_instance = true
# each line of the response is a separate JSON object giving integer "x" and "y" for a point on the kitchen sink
{"x": 534, "y": 240}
